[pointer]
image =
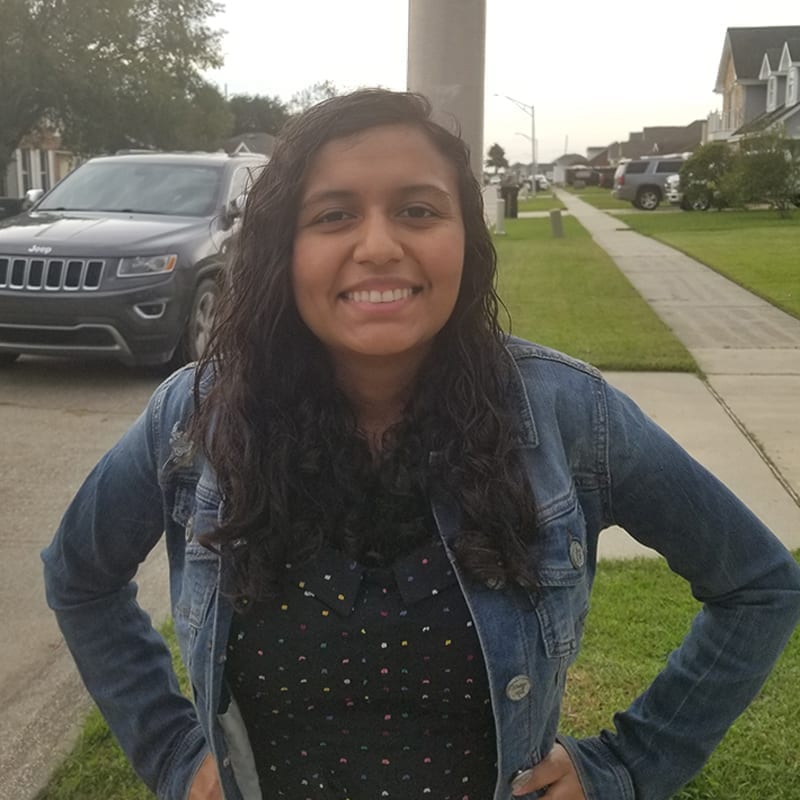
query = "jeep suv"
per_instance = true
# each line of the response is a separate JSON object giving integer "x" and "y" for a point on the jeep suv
{"x": 642, "y": 181}
{"x": 121, "y": 258}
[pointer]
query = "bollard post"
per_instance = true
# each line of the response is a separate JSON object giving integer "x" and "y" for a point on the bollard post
{"x": 499, "y": 217}
{"x": 556, "y": 223}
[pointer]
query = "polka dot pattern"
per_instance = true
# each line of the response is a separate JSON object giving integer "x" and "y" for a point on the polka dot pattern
{"x": 366, "y": 682}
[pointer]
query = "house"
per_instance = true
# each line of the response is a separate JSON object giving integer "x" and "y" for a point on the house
{"x": 38, "y": 163}
{"x": 759, "y": 80}
{"x": 251, "y": 143}
{"x": 654, "y": 140}
{"x": 561, "y": 164}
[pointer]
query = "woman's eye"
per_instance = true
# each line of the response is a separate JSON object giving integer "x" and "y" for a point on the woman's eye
{"x": 332, "y": 216}
{"x": 418, "y": 212}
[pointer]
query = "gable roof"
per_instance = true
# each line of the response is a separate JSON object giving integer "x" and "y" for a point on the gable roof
{"x": 790, "y": 54}
{"x": 746, "y": 47}
{"x": 251, "y": 143}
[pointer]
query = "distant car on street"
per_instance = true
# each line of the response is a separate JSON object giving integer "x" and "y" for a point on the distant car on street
{"x": 642, "y": 181}
{"x": 121, "y": 258}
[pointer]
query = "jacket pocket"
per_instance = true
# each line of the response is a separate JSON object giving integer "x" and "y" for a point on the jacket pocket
{"x": 561, "y": 600}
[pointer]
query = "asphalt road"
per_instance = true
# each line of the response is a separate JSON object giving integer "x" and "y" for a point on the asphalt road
{"x": 57, "y": 418}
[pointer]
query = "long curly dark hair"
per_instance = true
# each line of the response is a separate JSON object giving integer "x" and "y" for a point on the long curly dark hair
{"x": 292, "y": 467}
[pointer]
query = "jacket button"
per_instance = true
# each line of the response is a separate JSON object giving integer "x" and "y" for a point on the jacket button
{"x": 518, "y": 687}
{"x": 577, "y": 554}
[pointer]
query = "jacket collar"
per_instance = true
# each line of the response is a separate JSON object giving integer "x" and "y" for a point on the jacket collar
{"x": 526, "y": 434}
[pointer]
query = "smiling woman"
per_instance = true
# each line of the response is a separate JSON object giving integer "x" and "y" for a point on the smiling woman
{"x": 382, "y": 516}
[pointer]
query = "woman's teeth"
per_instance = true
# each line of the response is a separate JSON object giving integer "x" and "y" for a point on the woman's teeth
{"x": 388, "y": 296}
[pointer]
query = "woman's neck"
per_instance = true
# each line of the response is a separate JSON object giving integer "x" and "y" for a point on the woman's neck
{"x": 379, "y": 391}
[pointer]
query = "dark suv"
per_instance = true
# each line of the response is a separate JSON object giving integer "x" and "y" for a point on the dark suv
{"x": 121, "y": 258}
{"x": 642, "y": 181}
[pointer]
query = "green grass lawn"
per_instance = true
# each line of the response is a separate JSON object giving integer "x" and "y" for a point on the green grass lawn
{"x": 568, "y": 294}
{"x": 756, "y": 249}
{"x": 597, "y": 197}
{"x": 544, "y": 201}
{"x": 640, "y": 611}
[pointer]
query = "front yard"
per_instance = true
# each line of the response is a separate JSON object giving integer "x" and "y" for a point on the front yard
{"x": 756, "y": 249}
{"x": 568, "y": 294}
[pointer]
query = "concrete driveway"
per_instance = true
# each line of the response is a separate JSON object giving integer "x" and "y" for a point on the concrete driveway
{"x": 56, "y": 419}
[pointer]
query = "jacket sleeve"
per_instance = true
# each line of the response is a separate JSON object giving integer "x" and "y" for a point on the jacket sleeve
{"x": 114, "y": 521}
{"x": 749, "y": 586}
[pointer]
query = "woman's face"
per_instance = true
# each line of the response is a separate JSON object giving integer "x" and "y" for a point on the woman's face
{"x": 379, "y": 247}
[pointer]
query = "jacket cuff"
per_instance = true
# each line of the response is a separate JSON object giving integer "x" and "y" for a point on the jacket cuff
{"x": 176, "y": 779}
{"x": 601, "y": 774}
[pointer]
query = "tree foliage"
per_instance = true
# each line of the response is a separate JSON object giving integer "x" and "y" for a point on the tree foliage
{"x": 257, "y": 113}
{"x": 110, "y": 73}
{"x": 766, "y": 169}
{"x": 496, "y": 158}
{"x": 703, "y": 172}
{"x": 311, "y": 95}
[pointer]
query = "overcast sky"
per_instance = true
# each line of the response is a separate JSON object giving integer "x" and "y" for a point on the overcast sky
{"x": 593, "y": 76}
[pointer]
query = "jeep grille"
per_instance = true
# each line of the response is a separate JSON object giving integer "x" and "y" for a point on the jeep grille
{"x": 50, "y": 274}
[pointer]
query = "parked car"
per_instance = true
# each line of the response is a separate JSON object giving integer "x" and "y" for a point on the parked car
{"x": 121, "y": 258}
{"x": 642, "y": 181}
{"x": 673, "y": 193}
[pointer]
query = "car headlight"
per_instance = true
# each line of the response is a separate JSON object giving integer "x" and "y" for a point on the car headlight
{"x": 137, "y": 266}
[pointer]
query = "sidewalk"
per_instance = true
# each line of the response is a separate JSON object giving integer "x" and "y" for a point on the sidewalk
{"x": 743, "y": 420}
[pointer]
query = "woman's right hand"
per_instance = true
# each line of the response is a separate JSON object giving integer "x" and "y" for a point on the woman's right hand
{"x": 205, "y": 785}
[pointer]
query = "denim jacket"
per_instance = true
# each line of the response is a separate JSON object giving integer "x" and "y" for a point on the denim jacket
{"x": 593, "y": 459}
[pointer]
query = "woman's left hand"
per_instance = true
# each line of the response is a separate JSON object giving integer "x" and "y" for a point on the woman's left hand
{"x": 556, "y": 773}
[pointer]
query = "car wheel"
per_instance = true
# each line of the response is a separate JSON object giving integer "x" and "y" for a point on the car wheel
{"x": 648, "y": 199}
{"x": 194, "y": 339}
{"x": 201, "y": 319}
{"x": 7, "y": 359}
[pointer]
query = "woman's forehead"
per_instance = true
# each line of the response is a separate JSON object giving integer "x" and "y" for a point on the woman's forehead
{"x": 385, "y": 152}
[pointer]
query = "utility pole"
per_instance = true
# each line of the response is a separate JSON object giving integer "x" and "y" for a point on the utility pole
{"x": 446, "y": 59}
{"x": 532, "y": 113}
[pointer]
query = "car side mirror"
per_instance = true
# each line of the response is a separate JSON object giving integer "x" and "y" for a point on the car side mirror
{"x": 31, "y": 197}
{"x": 236, "y": 206}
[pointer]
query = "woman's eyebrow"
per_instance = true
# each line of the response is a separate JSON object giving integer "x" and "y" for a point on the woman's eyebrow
{"x": 341, "y": 195}
{"x": 327, "y": 196}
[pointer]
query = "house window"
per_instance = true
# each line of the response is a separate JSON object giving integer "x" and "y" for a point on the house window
{"x": 27, "y": 170}
{"x": 791, "y": 87}
{"x": 44, "y": 170}
{"x": 772, "y": 89}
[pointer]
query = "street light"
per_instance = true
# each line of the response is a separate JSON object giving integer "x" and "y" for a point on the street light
{"x": 531, "y": 112}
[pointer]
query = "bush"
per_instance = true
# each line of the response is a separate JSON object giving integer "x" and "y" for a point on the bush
{"x": 703, "y": 172}
{"x": 765, "y": 170}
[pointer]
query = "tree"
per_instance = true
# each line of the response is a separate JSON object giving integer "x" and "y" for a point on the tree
{"x": 312, "y": 95}
{"x": 257, "y": 113}
{"x": 766, "y": 170}
{"x": 497, "y": 158}
{"x": 106, "y": 73}
{"x": 702, "y": 174}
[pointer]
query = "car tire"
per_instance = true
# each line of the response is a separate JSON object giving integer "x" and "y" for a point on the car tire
{"x": 7, "y": 359}
{"x": 700, "y": 203}
{"x": 201, "y": 319}
{"x": 194, "y": 339}
{"x": 648, "y": 198}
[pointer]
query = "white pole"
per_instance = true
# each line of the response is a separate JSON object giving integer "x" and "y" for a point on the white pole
{"x": 446, "y": 58}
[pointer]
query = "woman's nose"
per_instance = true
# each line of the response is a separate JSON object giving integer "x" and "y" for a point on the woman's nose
{"x": 378, "y": 241}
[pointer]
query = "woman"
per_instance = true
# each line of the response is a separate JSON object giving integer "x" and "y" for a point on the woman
{"x": 382, "y": 516}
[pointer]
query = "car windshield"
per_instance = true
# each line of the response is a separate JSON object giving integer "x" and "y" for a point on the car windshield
{"x": 143, "y": 188}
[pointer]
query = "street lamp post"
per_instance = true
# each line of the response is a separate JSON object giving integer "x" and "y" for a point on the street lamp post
{"x": 531, "y": 112}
